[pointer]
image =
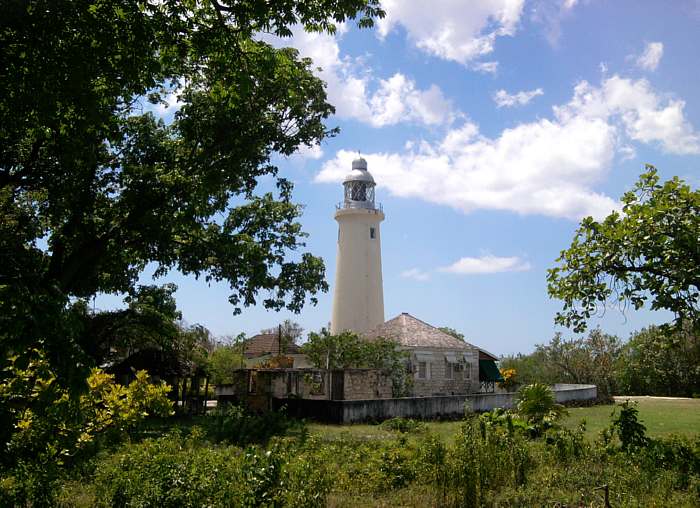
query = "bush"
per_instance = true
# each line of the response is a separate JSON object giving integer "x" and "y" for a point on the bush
{"x": 403, "y": 425}
{"x": 537, "y": 405}
{"x": 237, "y": 425}
{"x": 176, "y": 471}
{"x": 631, "y": 432}
{"x": 46, "y": 427}
{"x": 490, "y": 463}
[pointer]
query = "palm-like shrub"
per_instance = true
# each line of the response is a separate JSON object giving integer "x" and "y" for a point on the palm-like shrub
{"x": 537, "y": 405}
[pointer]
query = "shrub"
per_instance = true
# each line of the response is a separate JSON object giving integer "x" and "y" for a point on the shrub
{"x": 403, "y": 425}
{"x": 537, "y": 405}
{"x": 51, "y": 427}
{"x": 629, "y": 429}
{"x": 237, "y": 425}
{"x": 176, "y": 471}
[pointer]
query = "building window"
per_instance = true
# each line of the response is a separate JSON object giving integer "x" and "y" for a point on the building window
{"x": 462, "y": 371}
{"x": 448, "y": 370}
{"x": 371, "y": 233}
{"x": 422, "y": 370}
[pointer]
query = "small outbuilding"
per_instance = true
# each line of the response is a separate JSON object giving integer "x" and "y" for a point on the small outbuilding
{"x": 440, "y": 363}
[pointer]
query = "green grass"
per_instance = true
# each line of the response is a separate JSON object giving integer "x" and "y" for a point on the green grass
{"x": 661, "y": 417}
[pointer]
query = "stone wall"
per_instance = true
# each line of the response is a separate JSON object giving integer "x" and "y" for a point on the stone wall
{"x": 445, "y": 406}
{"x": 360, "y": 384}
{"x": 253, "y": 386}
{"x": 437, "y": 381}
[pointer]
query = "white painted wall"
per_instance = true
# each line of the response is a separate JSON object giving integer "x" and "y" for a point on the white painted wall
{"x": 358, "y": 297}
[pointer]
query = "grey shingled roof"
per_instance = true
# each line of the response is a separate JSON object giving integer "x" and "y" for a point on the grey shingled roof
{"x": 266, "y": 343}
{"x": 412, "y": 332}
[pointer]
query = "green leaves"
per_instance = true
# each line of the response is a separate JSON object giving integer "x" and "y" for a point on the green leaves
{"x": 88, "y": 174}
{"x": 349, "y": 350}
{"x": 649, "y": 253}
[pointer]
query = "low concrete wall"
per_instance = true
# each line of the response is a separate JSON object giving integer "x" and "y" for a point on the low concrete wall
{"x": 445, "y": 406}
{"x": 568, "y": 393}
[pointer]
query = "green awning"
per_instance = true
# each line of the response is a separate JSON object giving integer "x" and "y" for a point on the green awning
{"x": 488, "y": 371}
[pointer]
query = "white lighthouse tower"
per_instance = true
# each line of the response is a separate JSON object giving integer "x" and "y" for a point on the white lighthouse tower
{"x": 358, "y": 299}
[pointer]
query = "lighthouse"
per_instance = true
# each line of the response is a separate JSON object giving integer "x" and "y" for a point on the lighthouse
{"x": 358, "y": 298}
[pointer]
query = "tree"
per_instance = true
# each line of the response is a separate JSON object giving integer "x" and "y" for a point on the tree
{"x": 149, "y": 321}
{"x": 349, "y": 350}
{"x": 659, "y": 361}
{"x": 453, "y": 332}
{"x": 289, "y": 332}
{"x": 592, "y": 359}
{"x": 648, "y": 252}
{"x": 223, "y": 361}
{"x": 93, "y": 187}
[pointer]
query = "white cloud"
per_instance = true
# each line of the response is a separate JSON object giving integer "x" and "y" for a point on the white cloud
{"x": 504, "y": 99}
{"x": 415, "y": 274}
{"x": 546, "y": 167}
{"x": 357, "y": 95}
{"x": 457, "y": 30}
{"x": 397, "y": 99}
{"x": 550, "y": 14}
{"x": 649, "y": 60}
{"x": 644, "y": 115}
{"x": 313, "y": 152}
{"x": 538, "y": 168}
{"x": 486, "y": 264}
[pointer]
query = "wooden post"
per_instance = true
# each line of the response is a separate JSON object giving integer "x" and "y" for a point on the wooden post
{"x": 184, "y": 393}
{"x": 279, "y": 340}
{"x": 195, "y": 394}
{"x": 606, "y": 489}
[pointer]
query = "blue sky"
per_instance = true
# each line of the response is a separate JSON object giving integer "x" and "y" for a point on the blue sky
{"x": 491, "y": 128}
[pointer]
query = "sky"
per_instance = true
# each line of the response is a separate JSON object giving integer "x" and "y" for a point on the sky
{"x": 491, "y": 128}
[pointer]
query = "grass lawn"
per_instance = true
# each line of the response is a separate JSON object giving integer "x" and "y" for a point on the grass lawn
{"x": 660, "y": 416}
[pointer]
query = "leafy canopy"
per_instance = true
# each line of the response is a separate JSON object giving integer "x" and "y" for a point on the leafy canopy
{"x": 659, "y": 361}
{"x": 93, "y": 188}
{"x": 649, "y": 252}
{"x": 349, "y": 350}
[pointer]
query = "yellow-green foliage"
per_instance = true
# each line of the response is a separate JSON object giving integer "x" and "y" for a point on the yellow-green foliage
{"x": 47, "y": 415}
{"x": 46, "y": 426}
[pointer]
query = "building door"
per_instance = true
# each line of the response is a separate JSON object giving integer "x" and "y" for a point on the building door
{"x": 337, "y": 385}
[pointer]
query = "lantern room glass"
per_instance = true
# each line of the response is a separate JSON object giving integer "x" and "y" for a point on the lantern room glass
{"x": 359, "y": 194}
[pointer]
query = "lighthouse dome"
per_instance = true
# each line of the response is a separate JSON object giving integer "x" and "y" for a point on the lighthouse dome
{"x": 359, "y": 172}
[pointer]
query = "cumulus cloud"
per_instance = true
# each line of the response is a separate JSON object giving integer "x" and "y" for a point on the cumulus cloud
{"x": 357, "y": 95}
{"x": 650, "y": 58}
{"x": 415, "y": 274}
{"x": 643, "y": 114}
{"x": 486, "y": 264}
{"x": 454, "y": 29}
{"x": 537, "y": 168}
{"x": 505, "y": 100}
{"x": 547, "y": 167}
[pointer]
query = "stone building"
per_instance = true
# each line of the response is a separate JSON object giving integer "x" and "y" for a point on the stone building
{"x": 440, "y": 363}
